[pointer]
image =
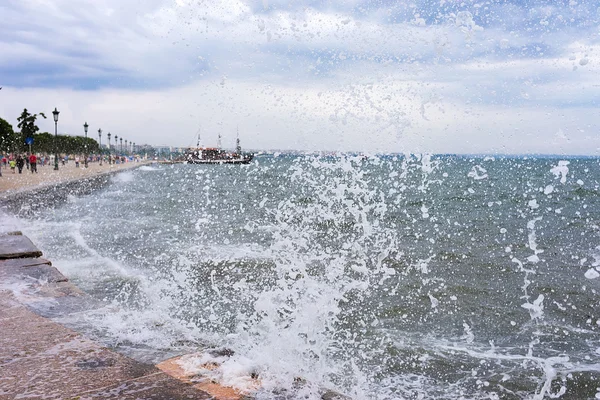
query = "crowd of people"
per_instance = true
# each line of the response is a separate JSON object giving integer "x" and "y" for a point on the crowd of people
{"x": 30, "y": 161}
{"x": 20, "y": 161}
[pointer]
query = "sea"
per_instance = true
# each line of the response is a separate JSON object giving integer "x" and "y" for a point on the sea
{"x": 375, "y": 276}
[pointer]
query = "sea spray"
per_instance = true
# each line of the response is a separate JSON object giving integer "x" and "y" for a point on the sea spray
{"x": 329, "y": 251}
{"x": 382, "y": 277}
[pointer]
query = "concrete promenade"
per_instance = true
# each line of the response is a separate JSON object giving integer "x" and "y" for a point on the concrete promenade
{"x": 47, "y": 176}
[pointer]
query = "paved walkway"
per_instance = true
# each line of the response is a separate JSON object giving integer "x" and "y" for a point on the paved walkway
{"x": 40, "y": 359}
{"x": 47, "y": 176}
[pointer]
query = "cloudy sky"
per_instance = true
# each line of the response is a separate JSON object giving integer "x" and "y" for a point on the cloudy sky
{"x": 442, "y": 76}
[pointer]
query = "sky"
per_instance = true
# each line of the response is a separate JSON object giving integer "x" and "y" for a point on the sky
{"x": 445, "y": 76}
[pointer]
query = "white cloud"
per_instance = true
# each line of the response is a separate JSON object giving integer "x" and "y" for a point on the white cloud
{"x": 396, "y": 116}
{"x": 303, "y": 77}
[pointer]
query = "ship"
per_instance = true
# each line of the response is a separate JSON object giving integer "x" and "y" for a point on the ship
{"x": 216, "y": 155}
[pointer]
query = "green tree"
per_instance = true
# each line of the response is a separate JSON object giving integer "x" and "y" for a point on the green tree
{"x": 44, "y": 143}
{"x": 8, "y": 137}
{"x": 27, "y": 126}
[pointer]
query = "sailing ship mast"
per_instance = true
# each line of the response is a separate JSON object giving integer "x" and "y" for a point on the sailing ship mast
{"x": 198, "y": 141}
{"x": 212, "y": 155}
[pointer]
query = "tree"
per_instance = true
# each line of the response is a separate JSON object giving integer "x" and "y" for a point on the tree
{"x": 44, "y": 143}
{"x": 8, "y": 137}
{"x": 28, "y": 126}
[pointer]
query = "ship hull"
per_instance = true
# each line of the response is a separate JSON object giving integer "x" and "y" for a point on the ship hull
{"x": 244, "y": 160}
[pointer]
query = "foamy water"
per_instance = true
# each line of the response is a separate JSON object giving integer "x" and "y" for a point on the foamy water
{"x": 381, "y": 277}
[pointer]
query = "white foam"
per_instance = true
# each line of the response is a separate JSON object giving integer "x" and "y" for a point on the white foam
{"x": 591, "y": 274}
{"x": 235, "y": 371}
{"x": 533, "y": 204}
{"x": 468, "y": 336}
{"x": 536, "y": 309}
{"x": 9, "y": 223}
{"x": 123, "y": 177}
{"x": 561, "y": 170}
{"x": 477, "y": 173}
{"x": 532, "y": 239}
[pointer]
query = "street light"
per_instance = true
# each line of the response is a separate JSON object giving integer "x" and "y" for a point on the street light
{"x": 55, "y": 113}
{"x": 85, "y": 128}
{"x": 126, "y": 148}
{"x": 109, "y": 155}
{"x": 100, "y": 144}
{"x": 116, "y": 149}
{"x": 121, "y": 145}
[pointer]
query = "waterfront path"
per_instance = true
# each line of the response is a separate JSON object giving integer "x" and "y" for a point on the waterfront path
{"x": 47, "y": 176}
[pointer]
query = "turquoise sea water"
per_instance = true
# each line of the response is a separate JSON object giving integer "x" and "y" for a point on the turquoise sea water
{"x": 390, "y": 277}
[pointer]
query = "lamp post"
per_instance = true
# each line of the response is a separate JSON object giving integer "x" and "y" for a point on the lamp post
{"x": 100, "y": 144}
{"x": 85, "y": 128}
{"x": 109, "y": 155}
{"x": 126, "y": 148}
{"x": 121, "y": 145}
{"x": 116, "y": 148}
{"x": 55, "y": 114}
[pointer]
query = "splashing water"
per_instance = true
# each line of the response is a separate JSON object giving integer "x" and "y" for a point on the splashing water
{"x": 379, "y": 277}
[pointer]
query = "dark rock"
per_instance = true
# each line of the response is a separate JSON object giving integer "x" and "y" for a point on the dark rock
{"x": 331, "y": 395}
{"x": 221, "y": 352}
{"x": 95, "y": 363}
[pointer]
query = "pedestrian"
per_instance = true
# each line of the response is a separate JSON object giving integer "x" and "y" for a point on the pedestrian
{"x": 33, "y": 163}
{"x": 77, "y": 162}
{"x": 12, "y": 164}
{"x": 20, "y": 163}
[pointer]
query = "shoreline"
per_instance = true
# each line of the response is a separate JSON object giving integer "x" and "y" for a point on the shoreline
{"x": 24, "y": 195}
{"x": 46, "y": 177}
{"x": 37, "y": 352}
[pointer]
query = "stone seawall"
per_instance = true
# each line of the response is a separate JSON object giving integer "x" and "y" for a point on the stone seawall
{"x": 40, "y": 358}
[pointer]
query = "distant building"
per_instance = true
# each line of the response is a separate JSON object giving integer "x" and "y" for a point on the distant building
{"x": 162, "y": 149}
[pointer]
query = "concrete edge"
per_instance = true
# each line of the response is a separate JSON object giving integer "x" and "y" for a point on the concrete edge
{"x": 8, "y": 195}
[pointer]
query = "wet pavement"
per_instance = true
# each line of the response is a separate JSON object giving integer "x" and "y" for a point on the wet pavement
{"x": 41, "y": 359}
